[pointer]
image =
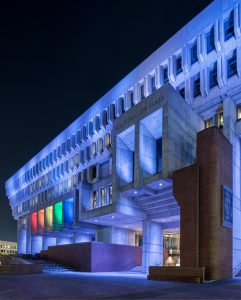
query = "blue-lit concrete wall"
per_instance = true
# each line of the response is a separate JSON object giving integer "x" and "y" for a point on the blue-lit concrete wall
{"x": 125, "y": 156}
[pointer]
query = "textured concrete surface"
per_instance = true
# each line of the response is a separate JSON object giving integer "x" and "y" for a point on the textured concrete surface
{"x": 70, "y": 285}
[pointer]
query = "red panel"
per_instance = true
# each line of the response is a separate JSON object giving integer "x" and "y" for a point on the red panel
{"x": 34, "y": 222}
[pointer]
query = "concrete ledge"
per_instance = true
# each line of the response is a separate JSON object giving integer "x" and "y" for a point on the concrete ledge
{"x": 20, "y": 269}
{"x": 179, "y": 274}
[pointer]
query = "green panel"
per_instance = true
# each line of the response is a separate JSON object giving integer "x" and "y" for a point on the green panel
{"x": 58, "y": 215}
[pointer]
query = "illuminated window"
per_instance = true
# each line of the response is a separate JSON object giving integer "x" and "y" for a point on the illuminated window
{"x": 107, "y": 141}
{"x": 194, "y": 53}
{"x": 153, "y": 83}
{"x": 232, "y": 65}
{"x": 229, "y": 26}
{"x": 93, "y": 150}
{"x": 178, "y": 65}
{"x": 100, "y": 145}
{"x": 209, "y": 123}
{"x": 110, "y": 193}
{"x": 102, "y": 195}
{"x": 213, "y": 79}
{"x": 94, "y": 199}
{"x": 220, "y": 120}
{"x": 239, "y": 112}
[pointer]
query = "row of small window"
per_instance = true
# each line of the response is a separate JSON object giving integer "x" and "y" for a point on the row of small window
{"x": 213, "y": 76}
{"x": 219, "y": 123}
{"x": 84, "y": 156}
{"x": 216, "y": 120}
{"x": 8, "y": 251}
{"x": 101, "y": 198}
{"x": 8, "y": 247}
{"x": 51, "y": 193}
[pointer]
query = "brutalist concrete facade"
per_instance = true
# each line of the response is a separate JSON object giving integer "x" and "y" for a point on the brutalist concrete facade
{"x": 109, "y": 176}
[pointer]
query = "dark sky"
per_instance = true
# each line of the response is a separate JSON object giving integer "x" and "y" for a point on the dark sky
{"x": 59, "y": 57}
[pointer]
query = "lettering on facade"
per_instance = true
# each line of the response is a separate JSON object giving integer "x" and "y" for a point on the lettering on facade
{"x": 139, "y": 113}
{"x": 227, "y": 202}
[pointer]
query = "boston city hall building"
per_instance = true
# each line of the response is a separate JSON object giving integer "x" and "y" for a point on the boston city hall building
{"x": 149, "y": 175}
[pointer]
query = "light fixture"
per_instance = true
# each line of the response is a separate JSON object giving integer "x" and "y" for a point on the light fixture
{"x": 96, "y": 220}
{"x": 160, "y": 184}
{"x": 112, "y": 217}
{"x": 135, "y": 192}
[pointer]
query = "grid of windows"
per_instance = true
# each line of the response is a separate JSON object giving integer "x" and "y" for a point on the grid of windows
{"x": 94, "y": 125}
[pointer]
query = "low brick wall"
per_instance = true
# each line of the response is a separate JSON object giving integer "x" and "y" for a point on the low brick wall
{"x": 95, "y": 256}
{"x": 179, "y": 274}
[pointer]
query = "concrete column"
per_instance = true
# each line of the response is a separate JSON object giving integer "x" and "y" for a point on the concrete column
{"x": 22, "y": 237}
{"x": 28, "y": 235}
{"x": 48, "y": 241}
{"x": 152, "y": 245}
{"x": 36, "y": 244}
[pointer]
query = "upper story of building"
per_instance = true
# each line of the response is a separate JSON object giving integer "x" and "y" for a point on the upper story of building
{"x": 201, "y": 61}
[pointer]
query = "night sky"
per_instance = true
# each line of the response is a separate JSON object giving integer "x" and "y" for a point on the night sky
{"x": 59, "y": 57}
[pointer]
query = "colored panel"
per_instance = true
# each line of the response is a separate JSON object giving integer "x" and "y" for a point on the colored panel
{"x": 49, "y": 218}
{"x": 58, "y": 215}
{"x": 41, "y": 220}
{"x": 34, "y": 222}
{"x": 68, "y": 212}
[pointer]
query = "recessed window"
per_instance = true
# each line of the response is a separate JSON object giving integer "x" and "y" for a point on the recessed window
{"x": 209, "y": 123}
{"x": 110, "y": 193}
{"x": 232, "y": 65}
{"x": 165, "y": 75}
{"x": 102, "y": 195}
{"x": 194, "y": 53}
{"x": 107, "y": 141}
{"x": 182, "y": 92}
{"x": 220, "y": 120}
{"x": 153, "y": 83}
{"x": 100, "y": 145}
{"x": 178, "y": 64}
{"x": 93, "y": 150}
{"x": 229, "y": 26}
{"x": 239, "y": 112}
{"x": 142, "y": 91}
{"x": 213, "y": 76}
{"x": 94, "y": 199}
{"x": 196, "y": 87}
{"x": 131, "y": 95}
{"x": 122, "y": 105}
{"x": 210, "y": 40}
